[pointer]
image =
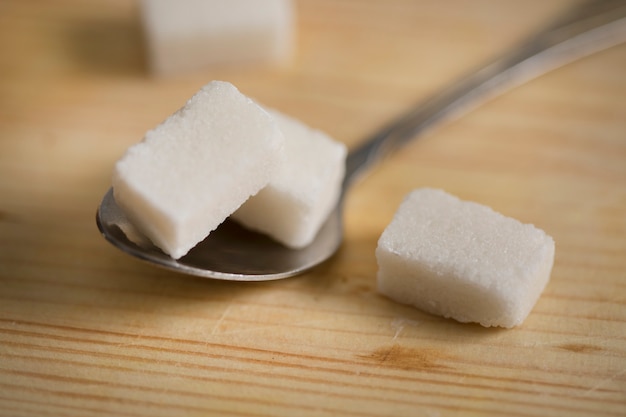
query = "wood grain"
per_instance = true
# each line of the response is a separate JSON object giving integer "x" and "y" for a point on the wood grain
{"x": 88, "y": 331}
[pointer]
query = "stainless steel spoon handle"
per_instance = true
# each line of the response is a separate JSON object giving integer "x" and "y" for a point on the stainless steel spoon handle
{"x": 590, "y": 27}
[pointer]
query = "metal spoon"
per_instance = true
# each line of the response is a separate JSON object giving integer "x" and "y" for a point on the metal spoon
{"x": 234, "y": 253}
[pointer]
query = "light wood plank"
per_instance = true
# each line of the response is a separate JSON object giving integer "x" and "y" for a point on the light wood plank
{"x": 88, "y": 331}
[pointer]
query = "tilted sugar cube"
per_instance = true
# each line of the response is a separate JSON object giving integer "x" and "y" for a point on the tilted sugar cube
{"x": 304, "y": 190}
{"x": 197, "y": 167}
{"x": 188, "y": 35}
{"x": 463, "y": 260}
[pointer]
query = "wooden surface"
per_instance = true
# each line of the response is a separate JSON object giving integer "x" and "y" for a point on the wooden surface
{"x": 87, "y": 331}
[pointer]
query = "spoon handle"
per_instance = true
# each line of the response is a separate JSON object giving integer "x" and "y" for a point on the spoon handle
{"x": 588, "y": 28}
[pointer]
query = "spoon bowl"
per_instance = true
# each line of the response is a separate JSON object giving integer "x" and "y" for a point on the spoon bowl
{"x": 232, "y": 252}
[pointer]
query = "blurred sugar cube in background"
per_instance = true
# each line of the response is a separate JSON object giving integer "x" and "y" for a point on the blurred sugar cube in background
{"x": 189, "y": 35}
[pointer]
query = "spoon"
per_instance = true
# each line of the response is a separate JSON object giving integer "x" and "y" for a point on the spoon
{"x": 232, "y": 252}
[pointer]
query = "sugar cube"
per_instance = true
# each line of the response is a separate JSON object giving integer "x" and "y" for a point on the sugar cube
{"x": 462, "y": 260}
{"x": 197, "y": 167}
{"x": 189, "y": 35}
{"x": 304, "y": 190}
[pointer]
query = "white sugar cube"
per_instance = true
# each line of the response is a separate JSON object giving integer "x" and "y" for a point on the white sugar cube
{"x": 188, "y": 35}
{"x": 197, "y": 167}
{"x": 463, "y": 260}
{"x": 299, "y": 198}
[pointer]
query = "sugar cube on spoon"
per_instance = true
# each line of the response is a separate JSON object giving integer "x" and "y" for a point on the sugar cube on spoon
{"x": 197, "y": 167}
{"x": 303, "y": 191}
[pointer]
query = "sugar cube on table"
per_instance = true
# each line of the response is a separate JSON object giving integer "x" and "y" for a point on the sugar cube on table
{"x": 192, "y": 171}
{"x": 462, "y": 260}
{"x": 304, "y": 190}
{"x": 189, "y": 35}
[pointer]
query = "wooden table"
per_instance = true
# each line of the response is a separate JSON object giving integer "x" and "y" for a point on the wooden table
{"x": 86, "y": 330}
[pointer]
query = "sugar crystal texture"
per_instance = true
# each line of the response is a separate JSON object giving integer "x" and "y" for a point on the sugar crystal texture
{"x": 463, "y": 260}
{"x": 189, "y": 35}
{"x": 197, "y": 167}
{"x": 304, "y": 190}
